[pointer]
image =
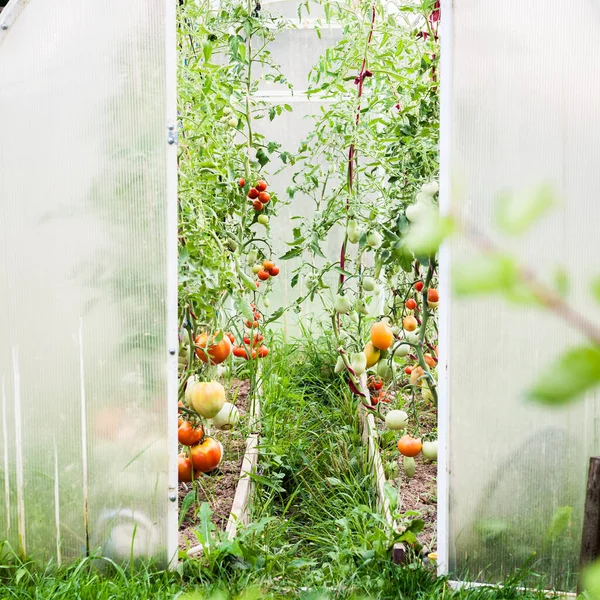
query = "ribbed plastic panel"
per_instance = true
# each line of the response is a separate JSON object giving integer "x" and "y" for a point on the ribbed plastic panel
{"x": 525, "y": 113}
{"x": 83, "y": 278}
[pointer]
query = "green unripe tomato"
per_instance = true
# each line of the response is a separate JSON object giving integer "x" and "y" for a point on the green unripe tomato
{"x": 396, "y": 420}
{"x": 353, "y": 232}
{"x": 339, "y": 365}
{"x": 392, "y": 470}
{"x": 430, "y": 450}
{"x": 402, "y": 350}
{"x": 358, "y": 362}
{"x": 409, "y": 466}
{"x": 368, "y": 284}
{"x": 233, "y": 245}
{"x": 374, "y": 239}
{"x": 266, "y": 302}
{"x": 263, "y": 220}
{"x": 232, "y": 122}
{"x": 251, "y": 257}
{"x": 342, "y": 304}
{"x": 256, "y": 268}
{"x": 384, "y": 370}
{"x": 227, "y": 110}
{"x": 361, "y": 307}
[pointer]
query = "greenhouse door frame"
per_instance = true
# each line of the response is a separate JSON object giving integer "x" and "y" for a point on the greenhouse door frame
{"x": 171, "y": 127}
{"x": 444, "y": 258}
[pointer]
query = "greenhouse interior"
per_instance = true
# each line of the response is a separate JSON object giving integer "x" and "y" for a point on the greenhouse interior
{"x": 301, "y": 299}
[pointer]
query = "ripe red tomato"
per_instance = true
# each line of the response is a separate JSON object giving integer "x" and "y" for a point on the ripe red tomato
{"x": 263, "y": 351}
{"x": 411, "y": 304}
{"x": 242, "y": 182}
{"x": 419, "y": 286}
{"x": 409, "y": 446}
{"x": 257, "y": 205}
{"x": 261, "y": 185}
{"x": 432, "y": 295}
{"x": 263, "y": 275}
{"x": 408, "y": 370}
{"x": 251, "y": 324}
{"x": 274, "y": 271}
{"x": 240, "y": 351}
{"x": 207, "y": 455}
{"x": 246, "y": 341}
{"x": 210, "y": 352}
{"x": 188, "y": 435}
{"x": 253, "y": 193}
{"x": 264, "y": 197}
{"x": 374, "y": 383}
{"x": 184, "y": 468}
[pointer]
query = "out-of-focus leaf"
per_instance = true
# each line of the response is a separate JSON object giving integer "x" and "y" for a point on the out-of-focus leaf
{"x": 591, "y": 580}
{"x": 559, "y": 522}
{"x": 485, "y": 274}
{"x": 516, "y": 213}
{"x": 570, "y": 376}
{"x": 596, "y": 288}
{"x": 426, "y": 235}
{"x": 561, "y": 282}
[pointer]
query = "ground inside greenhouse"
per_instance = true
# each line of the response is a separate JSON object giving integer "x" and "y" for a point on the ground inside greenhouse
{"x": 218, "y": 487}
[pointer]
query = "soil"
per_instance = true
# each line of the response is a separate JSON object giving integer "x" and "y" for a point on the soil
{"x": 217, "y": 487}
{"x": 420, "y": 492}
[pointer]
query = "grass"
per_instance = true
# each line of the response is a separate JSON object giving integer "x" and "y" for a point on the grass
{"x": 315, "y": 523}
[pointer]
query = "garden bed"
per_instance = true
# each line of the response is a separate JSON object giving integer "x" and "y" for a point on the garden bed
{"x": 418, "y": 493}
{"x": 226, "y": 489}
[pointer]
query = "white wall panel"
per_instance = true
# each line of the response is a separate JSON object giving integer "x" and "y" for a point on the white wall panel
{"x": 524, "y": 107}
{"x": 83, "y": 278}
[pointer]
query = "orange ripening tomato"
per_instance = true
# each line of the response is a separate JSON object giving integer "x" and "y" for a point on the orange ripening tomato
{"x": 411, "y": 304}
{"x": 242, "y": 182}
{"x": 274, "y": 271}
{"x": 263, "y": 351}
{"x": 381, "y": 335}
{"x": 231, "y": 337}
{"x": 209, "y": 352}
{"x": 184, "y": 468}
{"x": 432, "y": 295}
{"x": 261, "y": 185}
{"x": 409, "y": 446}
{"x": 263, "y": 275}
{"x": 431, "y": 362}
{"x": 207, "y": 455}
{"x": 258, "y": 339}
{"x": 264, "y": 197}
{"x": 419, "y": 286}
{"x": 268, "y": 265}
{"x": 251, "y": 324}
{"x": 257, "y": 205}
{"x": 253, "y": 193}
{"x": 256, "y": 315}
{"x": 410, "y": 323}
{"x": 188, "y": 435}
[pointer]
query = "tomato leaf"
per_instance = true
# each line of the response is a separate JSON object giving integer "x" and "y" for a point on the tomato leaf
{"x": 291, "y": 254}
{"x": 516, "y": 213}
{"x": 244, "y": 308}
{"x": 573, "y": 374}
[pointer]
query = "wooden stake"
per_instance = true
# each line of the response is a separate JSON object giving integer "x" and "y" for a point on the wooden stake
{"x": 590, "y": 540}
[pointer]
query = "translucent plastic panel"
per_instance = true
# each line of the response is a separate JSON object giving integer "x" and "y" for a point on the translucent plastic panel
{"x": 83, "y": 279}
{"x": 524, "y": 112}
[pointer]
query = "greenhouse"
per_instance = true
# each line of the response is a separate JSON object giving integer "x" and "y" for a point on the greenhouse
{"x": 301, "y": 299}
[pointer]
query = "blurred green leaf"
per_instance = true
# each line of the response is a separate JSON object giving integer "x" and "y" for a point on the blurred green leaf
{"x": 516, "y": 213}
{"x": 559, "y": 522}
{"x": 243, "y": 307}
{"x": 571, "y": 375}
{"x": 591, "y": 580}
{"x": 561, "y": 282}
{"x": 485, "y": 275}
{"x": 596, "y": 288}
{"x": 426, "y": 235}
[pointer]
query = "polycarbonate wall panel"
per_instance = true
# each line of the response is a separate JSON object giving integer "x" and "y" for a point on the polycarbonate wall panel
{"x": 524, "y": 112}
{"x": 83, "y": 278}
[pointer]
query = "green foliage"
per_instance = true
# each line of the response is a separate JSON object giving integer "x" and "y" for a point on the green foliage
{"x": 570, "y": 376}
